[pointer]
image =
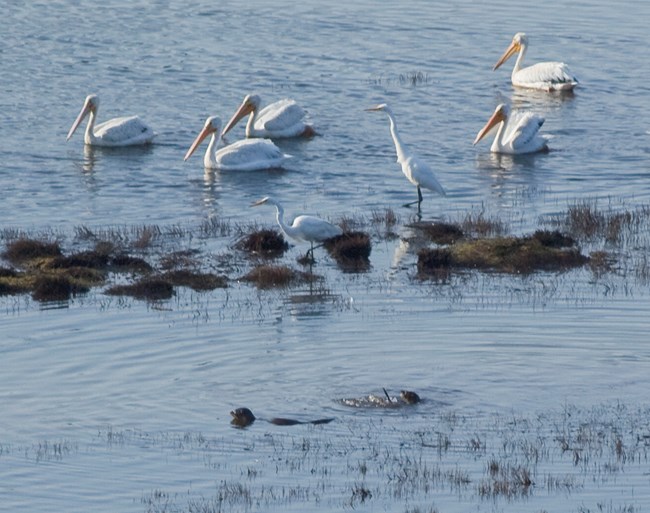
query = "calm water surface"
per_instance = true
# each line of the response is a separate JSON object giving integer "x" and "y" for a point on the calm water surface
{"x": 104, "y": 402}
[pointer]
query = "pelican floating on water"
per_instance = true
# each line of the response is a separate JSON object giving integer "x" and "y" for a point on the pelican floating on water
{"x": 518, "y": 132}
{"x": 303, "y": 228}
{"x": 244, "y": 155}
{"x": 125, "y": 131}
{"x": 547, "y": 76}
{"x": 282, "y": 119}
{"x": 418, "y": 172}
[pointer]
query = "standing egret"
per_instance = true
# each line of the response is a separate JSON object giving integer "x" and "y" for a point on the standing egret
{"x": 418, "y": 172}
{"x": 244, "y": 155}
{"x": 303, "y": 228}
{"x": 518, "y": 132}
{"x": 282, "y": 119}
{"x": 125, "y": 131}
{"x": 547, "y": 76}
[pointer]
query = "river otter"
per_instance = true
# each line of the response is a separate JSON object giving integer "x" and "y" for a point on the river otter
{"x": 242, "y": 417}
{"x": 409, "y": 397}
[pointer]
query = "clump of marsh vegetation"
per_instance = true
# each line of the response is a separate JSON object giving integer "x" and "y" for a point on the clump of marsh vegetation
{"x": 265, "y": 243}
{"x": 276, "y": 276}
{"x": 24, "y": 250}
{"x": 351, "y": 250}
{"x": 45, "y": 272}
{"x": 151, "y": 288}
{"x": 544, "y": 250}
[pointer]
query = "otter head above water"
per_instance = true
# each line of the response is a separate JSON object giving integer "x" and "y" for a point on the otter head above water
{"x": 242, "y": 417}
{"x": 409, "y": 397}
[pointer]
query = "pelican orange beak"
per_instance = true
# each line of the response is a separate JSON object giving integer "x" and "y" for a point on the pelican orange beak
{"x": 510, "y": 51}
{"x": 245, "y": 108}
{"x": 86, "y": 109}
{"x": 494, "y": 120}
{"x": 208, "y": 129}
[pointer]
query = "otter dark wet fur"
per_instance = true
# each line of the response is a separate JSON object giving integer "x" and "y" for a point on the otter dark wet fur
{"x": 409, "y": 397}
{"x": 243, "y": 417}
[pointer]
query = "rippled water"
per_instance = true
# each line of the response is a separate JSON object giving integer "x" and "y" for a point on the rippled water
{"x": 83, "y": 376}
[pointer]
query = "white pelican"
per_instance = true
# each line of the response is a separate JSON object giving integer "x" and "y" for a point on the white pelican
{"x": 418, "y": 172}
{"x": 547, "y": 76}
{"x": 518, "y": 131}
{"x": 244, "y": 155}
{"x": 303, "y": 228}
{"x": 282, "y": 119}
{"x": 126, "y": 131}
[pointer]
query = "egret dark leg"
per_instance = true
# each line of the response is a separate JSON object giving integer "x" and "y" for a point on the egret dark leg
{"x": 419, "y": 200}
{"x": 310, "y": 252}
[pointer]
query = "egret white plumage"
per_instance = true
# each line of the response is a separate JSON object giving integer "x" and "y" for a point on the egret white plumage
{"x": 244, "y": 155}
{"x": 304, "y": 228}
{"x": 282, "y": 119}
{"x": 418, "y": 172}
{"x": 124, "y": 131}
{"x": 547, "y": 76}
{"x": 518, "y": 132}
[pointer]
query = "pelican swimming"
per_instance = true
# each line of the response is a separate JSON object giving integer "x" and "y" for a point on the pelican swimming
{"x": 418, "y": 172}
{"x": 244, "y": 155}
{"x": 518, "y": 132}
{"x": 282, "y": 119}
{"x": 303, "y": 228}
{"x": 125, "y": 131}
{"x": 547, "y": 76}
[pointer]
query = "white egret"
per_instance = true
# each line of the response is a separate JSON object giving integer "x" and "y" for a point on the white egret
{"x": 124, "y": 131}
{"x": 282, "y": 119}
{"x": 244, "y": 155}
{"x": 518, "y": 132}
{"x": 547, "y": 76}
{"x": 303, "y": 228}
{"x": 418, "y": 172}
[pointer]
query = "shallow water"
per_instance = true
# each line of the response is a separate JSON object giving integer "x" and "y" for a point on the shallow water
{"x": 109, "y": 402}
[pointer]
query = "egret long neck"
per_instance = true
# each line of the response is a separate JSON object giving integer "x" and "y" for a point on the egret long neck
{"x": 288, "y": 230}
{"x": 400, "y": 148}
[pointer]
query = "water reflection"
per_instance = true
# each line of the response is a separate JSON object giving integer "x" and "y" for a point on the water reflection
{"x": 317, "y": 301}
{"x": 95, "y": 154}
{"x": 504, "y": 163}
{"x": 537, "y": 101}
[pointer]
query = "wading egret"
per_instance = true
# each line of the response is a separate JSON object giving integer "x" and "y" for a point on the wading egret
{"x": 418, "y": 172}
{"x": 303, "y": 228}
